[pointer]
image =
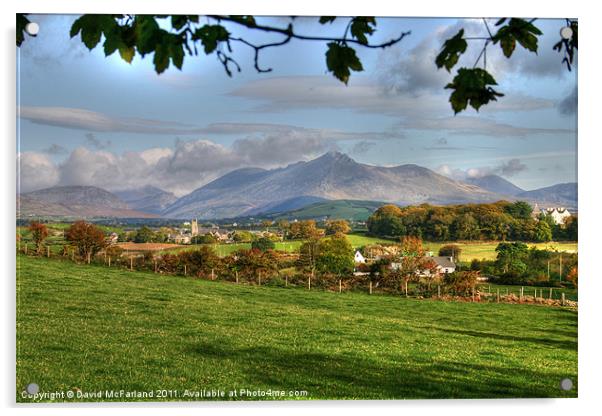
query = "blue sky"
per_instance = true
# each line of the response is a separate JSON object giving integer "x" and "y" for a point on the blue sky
{"x": 91, "y": 120}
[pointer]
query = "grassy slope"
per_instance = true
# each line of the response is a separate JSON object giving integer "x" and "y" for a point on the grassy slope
{"x": 96, "y": 328}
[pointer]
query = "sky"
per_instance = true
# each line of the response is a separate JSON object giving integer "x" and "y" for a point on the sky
{"x": 87, "y": 119}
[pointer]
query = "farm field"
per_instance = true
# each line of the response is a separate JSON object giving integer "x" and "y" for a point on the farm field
{"x": 486, "y": 250}
{"x": 93, "y": 328}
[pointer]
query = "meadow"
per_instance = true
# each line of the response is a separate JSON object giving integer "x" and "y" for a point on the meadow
{"x": 91, "y": 328}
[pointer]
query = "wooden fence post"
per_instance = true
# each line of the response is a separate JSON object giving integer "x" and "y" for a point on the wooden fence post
{"x": 498, "y": 295}
{"x": 340, "y": 286}
{"x": 212, "y": 274}
{"x": 132, "y": 263}
{"x": 439, "y": 291}
{"x": 47, "y": 251}
{"x": 521, "y": 293}
{"x": 259, "y": 278}
{"x": 562, "y": 299}
{"x": 473, "y": 294}
{"x": 25, "y": 248}
{"x": 185, "y": 270}
{"x": 73, "y": 255}
{"x": 89, "y": 257}
{"x": 109, "y": 261}
{"x": 550, "y": 293}
{"x": 155, "y": 261}
{"x": 309, "y": 283}
{"x": 406, "y": 282}
{"x": 286, "y": 281}
{"x": 370, "y": 286}
{"x": 489, "y": 289}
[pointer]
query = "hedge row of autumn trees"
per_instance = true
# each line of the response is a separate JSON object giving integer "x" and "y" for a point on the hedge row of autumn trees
{"x": 494, "y": 221}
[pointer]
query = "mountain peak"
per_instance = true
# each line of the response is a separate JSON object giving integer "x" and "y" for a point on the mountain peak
{"x": 335, "y": 156}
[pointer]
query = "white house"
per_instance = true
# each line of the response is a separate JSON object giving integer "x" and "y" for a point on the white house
{"x": 443, "y": 265}
{"x": 557, "y": 214}
{"x": 359, "y": 258}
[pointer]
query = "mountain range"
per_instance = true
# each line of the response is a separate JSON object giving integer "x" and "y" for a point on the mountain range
{"x": 259, "y": 192}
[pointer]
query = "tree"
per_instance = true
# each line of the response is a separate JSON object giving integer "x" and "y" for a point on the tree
{"x": 337, "y": 226}
{"x": 308, "y": 253}
{"x": 241, "y": 236}
{"x": 543, "y": 232}
{"x": 172, "y": 38}
{"x": 263, "y": 244}
{"x": 519, "y": 210}
{"x": 39, "y": 232}
{"x": 304, "y": 229}
{"x": 253, "y": 263}
{"x": 573, "y": 276}
{"x": 204, "y": 239}
{"x": 511, "y": 257}
{"x": 451, "y": 250}
{"x": 335, "y": 255}
{"x": 144, "y": 235}
{"x": 86, "y": 237}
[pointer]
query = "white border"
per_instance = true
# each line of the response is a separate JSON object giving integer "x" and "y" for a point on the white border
{"x": 589, "y": 197}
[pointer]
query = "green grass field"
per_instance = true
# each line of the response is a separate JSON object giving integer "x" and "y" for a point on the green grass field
{"x": 486, "y": 250}
{"x": 93, "y": 328}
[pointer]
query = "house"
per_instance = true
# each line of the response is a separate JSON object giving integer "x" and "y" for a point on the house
{"x": 443, "y": 265}
{"x": 557, "y": 214}
{"x": 113, "y": 238}
{"x": 359, "y": 258}
{"x": 181, "y": 239}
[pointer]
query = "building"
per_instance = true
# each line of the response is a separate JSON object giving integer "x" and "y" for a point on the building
{"x": 181, "y": 239}
{"x": 194, "y": 227}
{"x": 359, "y": 258}
{"x": 443, "y": 264}
{"x": 557, "y": 214}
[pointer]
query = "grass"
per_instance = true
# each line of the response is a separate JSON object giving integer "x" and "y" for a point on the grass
{"x": 486, "y": 249}
{"x": 94, "y": 328}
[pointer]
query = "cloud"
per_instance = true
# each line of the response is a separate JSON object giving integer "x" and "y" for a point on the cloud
{"x": 568, "y": 105}
{"x": 180, "y": 169}
{"x": 469, "y": 125}
{"x": 508, "y": 168}
{"x": 80, "y": 119}
{"x": 55, "y": 149}
{"x": 362, "y": 147}
{"x": 35, "y": 171}
{"x": 93, "y": 141}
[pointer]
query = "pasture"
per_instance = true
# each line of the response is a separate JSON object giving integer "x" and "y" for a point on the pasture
{"x": 90, "y": 328}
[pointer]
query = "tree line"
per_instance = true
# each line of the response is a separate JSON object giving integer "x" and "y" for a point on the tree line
{"x": 490, "y": 221}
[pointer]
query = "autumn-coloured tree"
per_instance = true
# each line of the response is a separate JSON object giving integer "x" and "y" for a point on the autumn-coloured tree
{"x": 451, "y": 250}
{"x": 573, "y": 276}
{"x": 304, "y": 230}
{"x": 39, "y": 232}
{"x": 337, "y": 226}
{"x": 86, "y": 237}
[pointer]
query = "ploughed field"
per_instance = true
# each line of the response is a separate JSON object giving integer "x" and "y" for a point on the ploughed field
{"x": 87, "y": 328}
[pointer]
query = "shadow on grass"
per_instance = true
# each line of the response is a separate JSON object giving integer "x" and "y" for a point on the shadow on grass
{"x": 345, "y": 376}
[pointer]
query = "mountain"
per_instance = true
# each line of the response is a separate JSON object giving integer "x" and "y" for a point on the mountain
{"x": 561, "y": 195}
{"x": 495, "y": 184}
{"x": 352, "y": 210}
{"x": 147, "y": 199}
{"x": 333, "y": 176}
{"x": 75, "y": 201}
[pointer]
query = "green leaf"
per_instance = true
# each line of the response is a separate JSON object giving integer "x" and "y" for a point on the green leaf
{"x": 127, "y": 53}
{"x": 360, "y": 26}
{"x": 178, "y": 21}
{"x": 472, "y": 86}
{"x": 211, "y": 36}
{"x": 327, "y": 19}
{"x": 451, "y": 51}
{"x": 341, "y": 60}
{"x": 147, "y": 33}
{"x": 517, "y": 30}
{"x": 176, "y": 50}
{"x": 161, "y": 58}
{"x": 22, "y": 22}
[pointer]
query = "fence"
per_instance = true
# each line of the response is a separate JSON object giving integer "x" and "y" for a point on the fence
{"x": 479, "y": 293}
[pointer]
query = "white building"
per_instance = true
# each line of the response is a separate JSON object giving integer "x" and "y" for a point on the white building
{"x": 557, "y": 214}
{"x": 359, "y": 258}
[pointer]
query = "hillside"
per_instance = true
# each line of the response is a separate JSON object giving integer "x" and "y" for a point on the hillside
{"x": 75, "y": 201}
{"x": 564, "y": 195}
{"x": 495, "y": 184}
{"x": 163, "y": 332}
{"x": 351, "y": 210}
{"x": 148, "y": 199}
{"x": 333, "y": 176}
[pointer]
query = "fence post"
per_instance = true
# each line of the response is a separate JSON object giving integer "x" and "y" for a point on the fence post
{"x": 236, "y": 274}
{"x": 370, "y": 286}
{"x": 473, "y": 294}
{"x": 185, "y": 271}
{"x": 550, "y": 293}
{"x": 109, "y": 261}
{"x": 406, "y": 282}
{"x": 212, "y": 274}
{"x": 286, "y": 281}
{"x": 155, "y": 261}
{"x": 498, "y": 295}
{"x": 73, "y": 255}
{"x": 47, "y": 251}
{"x": 489, "y": 289}
{"x": 340, "y": 286}
{"x": 259, "y": 278}
{"x": 89, "y": 259}
{"x": 562, "y": 299}
{"x": 521, "y": 293}
{"x": 132, "y": 263}
{"x": 25, "y": 248}
{"x": 438, "y": 291}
